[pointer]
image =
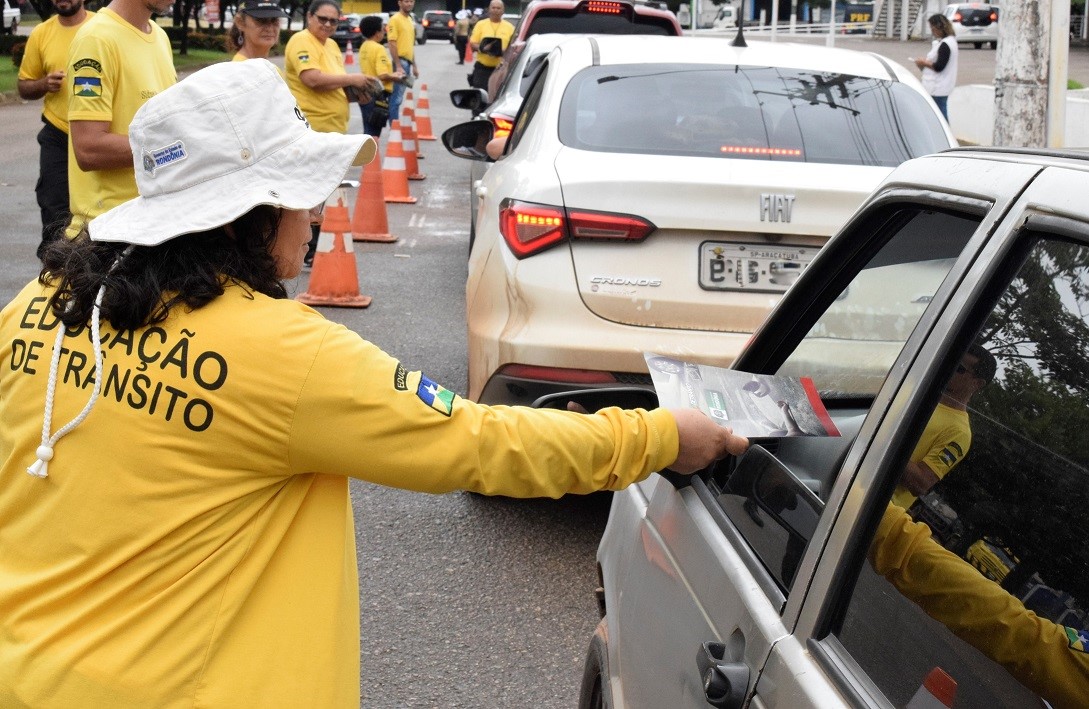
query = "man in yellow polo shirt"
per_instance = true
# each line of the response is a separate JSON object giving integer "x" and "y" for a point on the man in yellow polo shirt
{"x": 489, "y": 52}
{"x": 374, "y": 61}
{"x": 42, "y": 73}
{"x": 402, "y": 49}
{"x": 119, "y": 59}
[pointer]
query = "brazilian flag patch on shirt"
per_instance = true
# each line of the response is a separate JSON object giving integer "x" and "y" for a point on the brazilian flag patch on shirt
{"x": 435, "y": 396}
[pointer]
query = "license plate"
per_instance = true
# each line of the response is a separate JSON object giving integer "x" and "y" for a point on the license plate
{"x": 752, "y": 267}
{"x": 975, "y": 30}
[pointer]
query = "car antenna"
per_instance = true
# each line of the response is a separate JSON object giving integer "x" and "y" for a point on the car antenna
{"x": 739, "y": 40}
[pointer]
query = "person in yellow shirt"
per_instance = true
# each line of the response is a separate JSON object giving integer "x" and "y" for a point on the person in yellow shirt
{"x": 42, "y": 73}
{"x": 402, "y": 49}
{"x": 490, "y": 39}
{"x": 948, "y": 434}
{"x": 118, "y": 60}
{"x": 188, "y": 540}
{"x": 315, "y": 73}
{"x": 255, "y": 30}
{"x": 1050, "y": 659}
{"x": 374, "y": 61}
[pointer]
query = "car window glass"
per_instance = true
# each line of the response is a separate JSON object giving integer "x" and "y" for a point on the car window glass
{"x": 563, "y": 21}
{"x": 750, "y": 112}
{"x": 851, "y": 348}
{"x": 528, "y": 109}
{"x": 988, "y": 590}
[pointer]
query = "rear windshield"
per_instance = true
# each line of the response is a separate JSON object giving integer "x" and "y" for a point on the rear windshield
{"x": 975, "y": 16}
{"x": 575, "y": 22}
{"x": 751, "y": 112}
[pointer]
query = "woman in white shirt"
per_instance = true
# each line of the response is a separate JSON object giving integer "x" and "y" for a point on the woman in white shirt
{"x": 940, "y": 64}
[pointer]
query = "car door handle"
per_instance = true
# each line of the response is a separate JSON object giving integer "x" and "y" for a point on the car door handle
{"x": 725, "y": 683}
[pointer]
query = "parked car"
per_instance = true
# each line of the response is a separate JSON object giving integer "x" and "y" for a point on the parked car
{"x": 638, "y": 166}
{"x": 438, "y": 24}
{"x": 421, "y": 35}
{"x": 12, "y": 15}
{"x": 784, "y": 578}
{"x": 347, "y": 30}
{"x": 726, "y": 19}
{"x": 582, "y": 17}
{"x": 974, "y": 23}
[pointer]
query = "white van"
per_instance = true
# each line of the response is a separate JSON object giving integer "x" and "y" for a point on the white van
{"x": 726, "y": 18}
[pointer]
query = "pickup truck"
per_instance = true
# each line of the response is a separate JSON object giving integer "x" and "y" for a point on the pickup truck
{"x": 785, "y": 577}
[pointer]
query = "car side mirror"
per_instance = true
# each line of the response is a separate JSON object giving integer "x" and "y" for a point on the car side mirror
{"x": 475, "y": 100}
{"x": 469, "y": 140}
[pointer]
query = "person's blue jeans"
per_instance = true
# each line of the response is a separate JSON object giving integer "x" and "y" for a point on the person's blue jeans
{"x": 398, "y": 93}
{"x": 940, "y": 102}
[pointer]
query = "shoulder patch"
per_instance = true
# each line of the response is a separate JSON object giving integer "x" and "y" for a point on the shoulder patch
{"x": 400, "y": 378}
{"x": 435, "y": 396}
{"x": 304, "y": 57}
{"x": 87, "y": 86}
{"x": 87, "y": 63}
{"x": 1077, "y": 639}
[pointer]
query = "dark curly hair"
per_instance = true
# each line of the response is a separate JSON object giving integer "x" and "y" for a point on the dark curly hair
{"x": 150, "y": 281}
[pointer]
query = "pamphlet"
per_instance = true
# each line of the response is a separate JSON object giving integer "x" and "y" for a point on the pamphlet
{"x": 752, "y": 405}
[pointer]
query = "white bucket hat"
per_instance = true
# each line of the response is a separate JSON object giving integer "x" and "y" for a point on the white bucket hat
{"x": 217, "y": 144}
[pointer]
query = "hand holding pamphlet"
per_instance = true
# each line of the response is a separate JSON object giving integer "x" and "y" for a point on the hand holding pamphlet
{"x": 752, "y": 405}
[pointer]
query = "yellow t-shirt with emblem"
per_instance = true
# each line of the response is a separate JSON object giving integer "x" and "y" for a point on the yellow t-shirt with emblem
{"x": 114, "y": 68}
{"x": 193, "y": 544}
{"x": 374, "y": 60}
{"x": 46, "y": 52}
{"x": 327, "y": 111}
{"x": 486, "y": 28}
{"x": 944, "y": 443}
{"x": 402, "y": 30}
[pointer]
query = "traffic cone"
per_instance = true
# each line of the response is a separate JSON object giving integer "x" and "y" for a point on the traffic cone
{"x": 937, "y": 692}
{"x": 333, "y": 277}
{"x": 408, "y": 142}
{"x": 408, "y": 127}
{"x": 422, "y": 115}
{"x": 369, "y": 220}
{"x": 349, "y": 58}
{"x": 394, "y": 175}
{"x": 468, "y": 53}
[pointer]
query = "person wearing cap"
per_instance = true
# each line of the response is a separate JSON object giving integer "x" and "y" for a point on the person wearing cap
{"x": 374, "y": 61}
{"x": 255, "y": 30}
{"x": 402, "y": 49}
{"x": 495, "y": 34}
{"x": 314, "y": 68}
{"x": 41, "y": 74}
{"x": 177, "y": 435}
{"x": 118, "y": 60}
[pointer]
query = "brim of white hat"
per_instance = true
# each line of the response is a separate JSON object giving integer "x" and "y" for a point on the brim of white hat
{"x": 299, "y": 176}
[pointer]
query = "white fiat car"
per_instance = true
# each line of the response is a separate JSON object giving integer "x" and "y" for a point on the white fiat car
{"x": 662, "y": 193}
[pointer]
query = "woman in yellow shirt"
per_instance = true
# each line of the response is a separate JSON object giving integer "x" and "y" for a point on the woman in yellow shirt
{"x": 256, "y": 29}
{"x": 314, "y": 68}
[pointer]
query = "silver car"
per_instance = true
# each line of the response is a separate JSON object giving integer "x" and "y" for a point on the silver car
{"x": 786, "y": 577}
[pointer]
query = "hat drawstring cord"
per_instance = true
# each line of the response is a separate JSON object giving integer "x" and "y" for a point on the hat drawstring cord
{"x": 44, "y": 453}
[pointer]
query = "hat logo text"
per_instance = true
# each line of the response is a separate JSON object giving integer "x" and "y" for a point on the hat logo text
{"x": 164, "y": 156}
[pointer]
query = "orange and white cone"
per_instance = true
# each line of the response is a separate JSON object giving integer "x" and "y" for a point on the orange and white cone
{"x": 408, "y": 141}
{"x": 369, "y": 220}
{"x": 423, "y": 116}
{"x": 408, "y": 124}
{"x": 333, "y": 277}
{"x": 937, "y": 692}
{"x": 394, "y": 173}
{"x": 349, "y": 56}
{"x": 468, "y": 53}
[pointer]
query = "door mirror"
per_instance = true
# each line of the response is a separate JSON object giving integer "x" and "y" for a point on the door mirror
{"x": 474, "y": 100}
{"x": 469, "y": 140}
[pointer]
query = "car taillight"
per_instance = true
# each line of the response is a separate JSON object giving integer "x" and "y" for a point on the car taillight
{"x": 530, "y": 228}
{"x": 426, "y": 23}
{"x": 994, "y": 17}
{"x": 503, "y": 126}
{"x": 750, "y": 150}
{"x": 958, "y": 18}
{"x": 603, "y": 7}
{"x": 558, "y": 374}
{"x": 450, "y": 24}
{"x": 607, "y": 226}
{"x": 356, "y": 30}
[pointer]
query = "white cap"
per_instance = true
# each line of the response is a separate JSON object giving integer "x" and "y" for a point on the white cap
{"x": 217, "y": 144}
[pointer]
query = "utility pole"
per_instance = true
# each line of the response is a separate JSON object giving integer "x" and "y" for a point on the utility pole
{"x": 1031, "y": 74}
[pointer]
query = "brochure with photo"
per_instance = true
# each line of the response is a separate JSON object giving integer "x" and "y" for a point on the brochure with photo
{"x": 753, "y": 405}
